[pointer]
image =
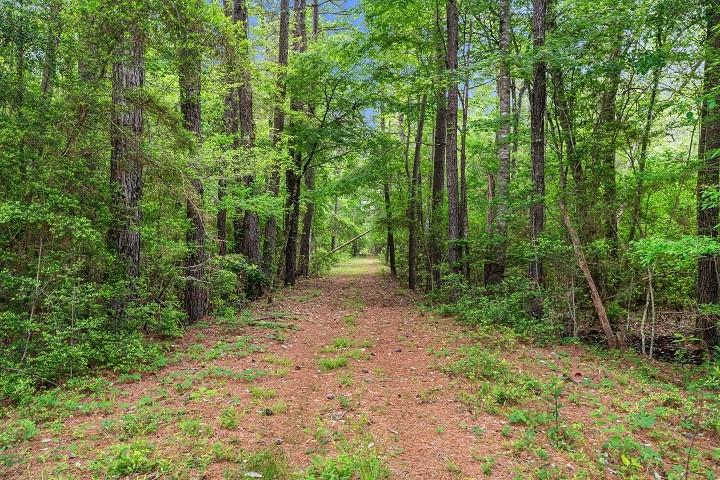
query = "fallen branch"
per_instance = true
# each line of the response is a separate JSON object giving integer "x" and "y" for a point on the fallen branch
{"x": 349, "y": 242}
{"x": 612, "y": 339}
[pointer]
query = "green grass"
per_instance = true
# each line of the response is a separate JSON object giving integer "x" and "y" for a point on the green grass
{"x": 332, "y": 363}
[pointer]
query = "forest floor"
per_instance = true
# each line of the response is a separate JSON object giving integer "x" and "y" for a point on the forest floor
{"x": 349, "y": 373}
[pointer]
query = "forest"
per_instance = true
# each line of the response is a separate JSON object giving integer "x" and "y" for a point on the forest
{"x": 237, "y": 235}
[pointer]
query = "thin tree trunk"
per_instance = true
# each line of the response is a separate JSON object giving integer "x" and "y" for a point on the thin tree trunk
{"x": 277, "y": 129}
{"x": 333, "y": 240}
{"x": 414, "y": 206}
{"x": 707, "y": 180}
{"x": 390, "y": 235}
{"x": 538, "y": 99}
{"x": 612, "y": 340}
{"x": 126, "y": 138}
{"x": 495, "y": 263}
{"x": 196, "y": 291}
{"x": 306, "y": 237}
{"x": 451, "y": 63}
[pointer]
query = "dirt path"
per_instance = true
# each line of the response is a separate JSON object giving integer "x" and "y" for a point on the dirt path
{"x": 350, "y": 363}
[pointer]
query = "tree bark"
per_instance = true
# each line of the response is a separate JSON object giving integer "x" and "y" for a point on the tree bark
{"x": 196, "y": 292}
{"x": 538, "y": 100}
{"x": 306, "y": 237}
{"x": 277, "y": 129}
{"x": 230, "y": 120}
{"x": 390, "y": 236}
{"x": 293, "y": 175}
{"x": 707, "y": 180}
{"x": 438, "y": 180}
{"x": 415, "y": 200}
{"x": 495, "y": 263}
{"x": 451, "y": 63}
{"x": 463, "y": 155}
{"x": 126, "y": 160}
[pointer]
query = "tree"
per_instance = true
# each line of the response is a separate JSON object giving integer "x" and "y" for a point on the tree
{"x": 278, "y": 125}
{"x": 189, "y": 76}
{"x": 708, "y": 179}
{"x": 306, "y": 237}
{"x": 538, "y": 98}
{"x": 293, "y": 174}
{"x": 454, "y": 219}
{"x": 499, "y": 185}
{"x": 414, "y": 205}
{"x": 126, "y": 158}
{"x": 438, "y": 178}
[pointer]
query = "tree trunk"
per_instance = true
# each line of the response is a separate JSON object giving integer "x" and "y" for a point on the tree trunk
{"x": 390, "y": 237}
{"x": 438, "y": 180}
{"x": 276, "y": 132}
{"x": 612, "y": 340}
{"x": 463, "y": 156}
{"x": 333, "y": 239}
{"x": 606, "y": 128}
{"x": 538, "y": 99}
{"x": 247, "y": 227}
{"x": 415, "y": 200}
{"x": 707, "y": 180}
{"x": 230, "y": 120}
{"x": 293, "y": 175}
{"x": 495, "y": 263}
{"x": 126, "y": 155}
{"x": 451, "y": 62}
{"x": 306, "y": 237}
{"x": 196, "y": 292}
{"x": 53, "y": 40}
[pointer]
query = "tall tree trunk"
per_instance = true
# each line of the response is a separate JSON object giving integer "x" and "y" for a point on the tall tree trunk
{"x": 247, "y": 226}
{"x": 196, "y": 292}
{"x": 451, "y": 63}
{"x": 707, "y": 181}
{"x": 495, "y": 263}
{"x": 438, "y": 181}
{"x": 230, "y": 120}
{"x": 606, "y": 128}
{"x": 538, "y": 101}
{"x": 277, "y": 129}
{"x": 293, "y": 175}
{"x": 463, "y": 154}
{"x": 306, "y": 237}
{"x": 414, "y": 206}
{"x": 126, "y": 160}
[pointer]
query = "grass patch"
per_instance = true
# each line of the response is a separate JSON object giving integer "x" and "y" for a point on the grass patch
{"x": 332, "y": 363}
